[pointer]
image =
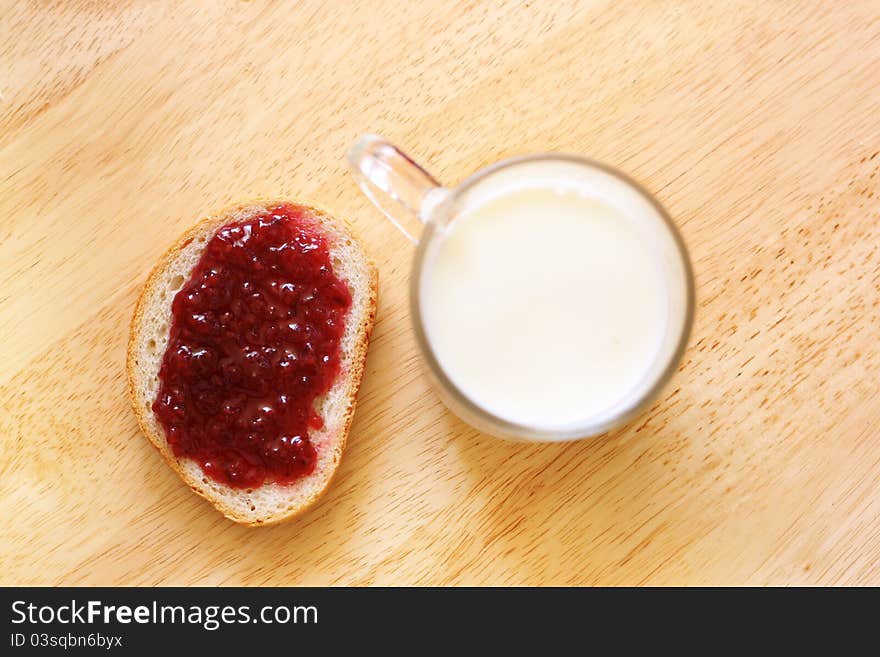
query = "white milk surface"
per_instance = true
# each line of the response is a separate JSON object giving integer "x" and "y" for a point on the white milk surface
{"x": 544, "y": 304}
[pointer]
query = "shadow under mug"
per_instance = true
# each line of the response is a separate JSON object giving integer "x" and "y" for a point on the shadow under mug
{"x": 421, "y": 209}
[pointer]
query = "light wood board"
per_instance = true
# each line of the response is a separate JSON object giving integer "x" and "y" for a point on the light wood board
{"x": 755, "y": 123}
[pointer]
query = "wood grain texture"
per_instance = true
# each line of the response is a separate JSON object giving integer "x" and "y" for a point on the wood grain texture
{"x": 755, "y": 123}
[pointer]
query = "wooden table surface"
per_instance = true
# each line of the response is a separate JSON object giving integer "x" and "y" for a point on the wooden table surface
{"x": 755, "y": 123}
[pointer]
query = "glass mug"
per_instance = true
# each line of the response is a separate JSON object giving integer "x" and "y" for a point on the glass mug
{"x": 551, "y": 296}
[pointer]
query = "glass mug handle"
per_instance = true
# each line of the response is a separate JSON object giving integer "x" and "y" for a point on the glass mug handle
{"x": 400, "y": 188}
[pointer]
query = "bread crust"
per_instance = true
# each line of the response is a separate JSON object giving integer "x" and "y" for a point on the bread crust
{"x": 148, "y": 423}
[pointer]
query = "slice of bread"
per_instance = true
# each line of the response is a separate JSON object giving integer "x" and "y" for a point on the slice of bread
{"x": 271, "y": 502}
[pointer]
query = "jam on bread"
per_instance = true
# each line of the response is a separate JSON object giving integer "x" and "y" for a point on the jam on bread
{"x": 255, "y": 340}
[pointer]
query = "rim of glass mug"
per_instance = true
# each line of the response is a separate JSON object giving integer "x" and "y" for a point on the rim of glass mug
{"x": 426, "y": 202}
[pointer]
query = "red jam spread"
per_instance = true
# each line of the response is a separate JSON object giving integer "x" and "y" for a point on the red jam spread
{"x": 254, "y": 341}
